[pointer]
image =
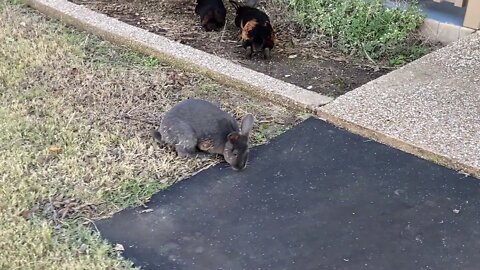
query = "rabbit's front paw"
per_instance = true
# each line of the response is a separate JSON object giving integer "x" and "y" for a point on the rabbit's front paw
{"x": 202, "y": 156}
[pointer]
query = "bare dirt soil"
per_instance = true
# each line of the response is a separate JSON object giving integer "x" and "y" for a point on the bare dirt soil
{"x": 295, "y": 59}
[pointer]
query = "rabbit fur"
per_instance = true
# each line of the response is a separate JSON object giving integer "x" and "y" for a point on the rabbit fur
{"x": 212, "y": 14}
{"x": 195, "y": 125}
{"x": 257, "y": 32}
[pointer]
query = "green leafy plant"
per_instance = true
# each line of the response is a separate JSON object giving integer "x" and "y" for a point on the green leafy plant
{"x": 364, "y": 27}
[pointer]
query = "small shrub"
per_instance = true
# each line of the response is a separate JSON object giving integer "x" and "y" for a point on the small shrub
{"x": 363, "y": 27}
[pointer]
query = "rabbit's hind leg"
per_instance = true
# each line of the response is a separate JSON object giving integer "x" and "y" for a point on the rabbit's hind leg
{"x": 187, "y": 145}
{"x": 186, "y": 141}
{"x": 184, "y": 151}
{"x": 188, "y": 148}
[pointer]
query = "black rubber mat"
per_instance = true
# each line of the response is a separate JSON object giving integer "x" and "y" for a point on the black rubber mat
{"x": 317, "y": 197}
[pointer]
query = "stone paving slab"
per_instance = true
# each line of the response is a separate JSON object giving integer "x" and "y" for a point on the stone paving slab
{"x": 430, "y": 107}
{"x": 180, "y": 55}
{"x": 316, "y": 197}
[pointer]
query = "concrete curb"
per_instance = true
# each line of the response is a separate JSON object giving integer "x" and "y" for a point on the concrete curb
{"x": 180, "y": 55}
{"x": 444, "y": 32}
{"x": 400, "y": 144}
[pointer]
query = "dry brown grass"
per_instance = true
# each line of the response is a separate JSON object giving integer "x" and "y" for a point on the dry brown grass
{"x": 69, "y": 149}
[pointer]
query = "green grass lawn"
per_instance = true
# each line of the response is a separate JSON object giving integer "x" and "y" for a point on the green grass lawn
{"x": 74, "y": 138}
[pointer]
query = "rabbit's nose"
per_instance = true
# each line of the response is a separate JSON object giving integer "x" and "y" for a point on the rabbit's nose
{"x": 239, "y": 168}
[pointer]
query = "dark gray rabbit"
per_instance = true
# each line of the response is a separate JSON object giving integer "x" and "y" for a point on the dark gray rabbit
{"x": 195, "y": 124}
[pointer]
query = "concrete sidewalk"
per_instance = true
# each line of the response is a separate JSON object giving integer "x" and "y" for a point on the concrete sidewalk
{"x": 430, "y": 107}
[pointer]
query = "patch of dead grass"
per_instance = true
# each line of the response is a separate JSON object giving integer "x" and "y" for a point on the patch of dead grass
{"x": 75, "y": 116}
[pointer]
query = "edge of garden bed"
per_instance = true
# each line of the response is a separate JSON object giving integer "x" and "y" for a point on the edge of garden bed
{"x": 181, "y": 56}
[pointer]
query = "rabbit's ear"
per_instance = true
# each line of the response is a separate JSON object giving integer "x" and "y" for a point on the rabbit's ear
{"x": 247, "y": 124}
{"x": 233, "y": 137}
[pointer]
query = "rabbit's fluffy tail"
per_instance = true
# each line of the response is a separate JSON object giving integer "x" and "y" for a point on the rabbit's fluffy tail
{"x": 156, "y": 135}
